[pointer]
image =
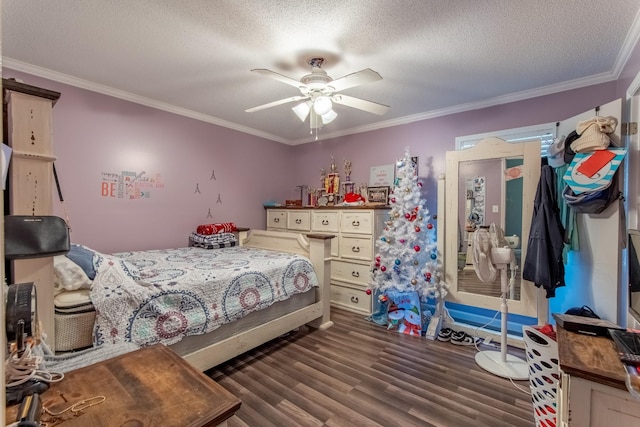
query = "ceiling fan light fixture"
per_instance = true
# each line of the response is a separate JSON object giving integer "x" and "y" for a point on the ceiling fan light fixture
{"x": 318, "y": 93}
{"x": 322, "y": 105}
{"x": 302, "y": 110}
{"x": 329, "y": 117}
{"x": 315, "y": 121}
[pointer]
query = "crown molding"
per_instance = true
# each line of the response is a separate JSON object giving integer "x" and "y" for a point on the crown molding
{"x": 491, "y": 102}
{"x": 505, "y": 99}
{"x": 127, "y": 96}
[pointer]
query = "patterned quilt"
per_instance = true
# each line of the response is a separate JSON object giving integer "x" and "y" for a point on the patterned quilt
{"x": 161, "y": 296}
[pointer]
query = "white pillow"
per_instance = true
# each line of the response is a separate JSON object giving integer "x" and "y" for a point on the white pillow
{"x": 68, "y": 276}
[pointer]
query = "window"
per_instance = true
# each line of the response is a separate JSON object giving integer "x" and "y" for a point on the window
{"x": 546, "y": 132}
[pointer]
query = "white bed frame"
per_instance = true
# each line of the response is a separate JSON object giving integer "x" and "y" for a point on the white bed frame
{"x": 317, "y": 247}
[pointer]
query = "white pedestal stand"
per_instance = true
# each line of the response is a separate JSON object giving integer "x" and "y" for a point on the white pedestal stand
{"x": 500, "y": 363}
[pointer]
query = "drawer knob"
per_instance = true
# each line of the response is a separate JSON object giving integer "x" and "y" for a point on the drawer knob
{"x": 355, "y": 223}
{"x": 325, "y": 222}
{"x": 355, "y": 249}
{"x": 298, "y": 221}
{"x": 276, "y": 219}
{"x": 354, "y": 300}
{"x": 355, "y": 273}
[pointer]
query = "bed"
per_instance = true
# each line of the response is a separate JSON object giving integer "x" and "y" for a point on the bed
{"x": 130, "y": 297}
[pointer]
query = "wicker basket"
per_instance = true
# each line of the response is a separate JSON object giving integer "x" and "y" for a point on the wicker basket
{"x": 74, "y": 331}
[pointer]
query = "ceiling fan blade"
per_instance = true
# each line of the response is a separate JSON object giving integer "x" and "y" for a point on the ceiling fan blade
{"x": 354, "y": 79}
{"x": 280, "y": 77}
{"x": 361, "y": 104}
{"x": 274, "y": 103}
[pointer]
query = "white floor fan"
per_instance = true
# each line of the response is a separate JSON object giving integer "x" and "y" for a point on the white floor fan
{"x": 491, "y": 254}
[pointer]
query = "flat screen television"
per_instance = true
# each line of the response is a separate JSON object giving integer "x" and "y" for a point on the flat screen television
{"x": 634, "y": 273}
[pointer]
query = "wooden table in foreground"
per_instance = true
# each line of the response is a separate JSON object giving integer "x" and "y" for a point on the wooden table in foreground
{"x": 152, "y": 386}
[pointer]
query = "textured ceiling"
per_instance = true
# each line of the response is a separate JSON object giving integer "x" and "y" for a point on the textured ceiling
{"x": 435, "y": 57}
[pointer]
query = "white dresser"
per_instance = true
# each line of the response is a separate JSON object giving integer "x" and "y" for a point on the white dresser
{"x": 356, "y": 230}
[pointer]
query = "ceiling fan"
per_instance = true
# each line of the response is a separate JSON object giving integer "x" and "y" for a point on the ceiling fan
{"x": 319, "y": 92}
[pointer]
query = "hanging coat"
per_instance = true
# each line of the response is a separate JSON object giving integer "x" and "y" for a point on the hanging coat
{"x": 543, "y": 264}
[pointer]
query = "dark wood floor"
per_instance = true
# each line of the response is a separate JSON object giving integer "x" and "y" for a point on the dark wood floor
{"x": 359, "y": 374}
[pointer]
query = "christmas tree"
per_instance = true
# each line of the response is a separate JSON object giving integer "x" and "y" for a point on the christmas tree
{"x": 406, "y": 257}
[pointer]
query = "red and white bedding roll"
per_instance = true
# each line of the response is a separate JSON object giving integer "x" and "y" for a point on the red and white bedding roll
{"x": 216, "y": 228}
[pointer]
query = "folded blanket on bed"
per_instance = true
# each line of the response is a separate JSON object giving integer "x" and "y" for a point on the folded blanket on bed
{"x": 213, "y": 241}
{"x": 161, "y": 296}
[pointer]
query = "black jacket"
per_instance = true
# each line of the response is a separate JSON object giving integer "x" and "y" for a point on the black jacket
{"x": 543, "y": 264}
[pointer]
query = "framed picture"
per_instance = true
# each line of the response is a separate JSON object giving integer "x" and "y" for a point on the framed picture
{"x": 378, "y": 195}
{"x": 381, "y": 175}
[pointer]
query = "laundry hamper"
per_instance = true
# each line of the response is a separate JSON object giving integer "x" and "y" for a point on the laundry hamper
{"x": 542, "y": 358}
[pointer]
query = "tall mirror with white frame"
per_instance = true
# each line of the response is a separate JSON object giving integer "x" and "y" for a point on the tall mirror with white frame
{"x": 492, "y": 182}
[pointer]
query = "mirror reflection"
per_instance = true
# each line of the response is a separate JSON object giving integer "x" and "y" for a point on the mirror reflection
{"x": 489, "y": 191}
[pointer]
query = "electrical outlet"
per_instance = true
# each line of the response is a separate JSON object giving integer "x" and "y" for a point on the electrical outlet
{"x": 495, "y": 208}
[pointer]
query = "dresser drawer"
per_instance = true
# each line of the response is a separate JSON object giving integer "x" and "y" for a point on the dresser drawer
{"x": 356, "y": 222}
{"x": 350, "y": 272}
{"x": 360, "y": 248}
{"x": 351, "y": 299}
{"x": 299, "y": 221}
{"x": 325, "y": 221}
{"x": 277, "y": 219}
{"x": 335, "y": 247}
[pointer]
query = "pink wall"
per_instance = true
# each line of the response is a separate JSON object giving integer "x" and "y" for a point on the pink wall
{"x": 94, "y": 133}
{"x": 430, "y": 139}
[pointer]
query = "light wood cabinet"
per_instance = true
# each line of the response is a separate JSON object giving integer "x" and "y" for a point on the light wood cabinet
{"x": 592, "y": 390}
{"x": 28, "y": 118}
{"x": 585, "y": 403}
{"x": 352, "y": 251}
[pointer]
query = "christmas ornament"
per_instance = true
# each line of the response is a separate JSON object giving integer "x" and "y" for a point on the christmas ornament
{"x": 416, "y": 248}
